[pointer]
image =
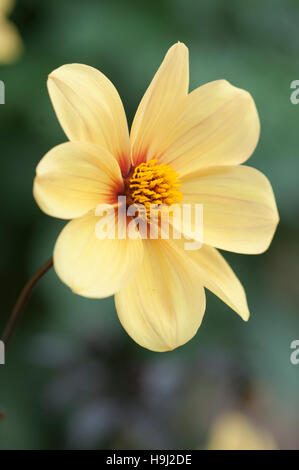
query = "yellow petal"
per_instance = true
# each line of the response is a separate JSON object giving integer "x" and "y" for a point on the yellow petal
{"x": 239, "y": 209}
{"x": 168, "y": 87}
{"x": 163, "y": 306}
{"x": 92, "y": 267}
{"x": 6, "y": 6}
{"x": 89, "y": 109}
{"x": 73, "y": 178}
{"x": 10, "y": 42}
{"x": 217, "y": 124}
{"x": 217, "y": 276}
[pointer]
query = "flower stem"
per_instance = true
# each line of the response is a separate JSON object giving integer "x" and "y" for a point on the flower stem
{"x": 23, "y": 297}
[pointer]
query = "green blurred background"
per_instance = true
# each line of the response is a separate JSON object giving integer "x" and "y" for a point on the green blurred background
{"x": 73, "y": 379}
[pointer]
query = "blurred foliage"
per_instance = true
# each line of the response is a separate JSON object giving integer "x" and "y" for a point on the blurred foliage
{"x": 234, "y": 431}
{"x": 73, "y": 378}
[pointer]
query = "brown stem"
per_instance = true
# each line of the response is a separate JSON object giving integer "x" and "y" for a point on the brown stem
{"x": 23, "y": 297}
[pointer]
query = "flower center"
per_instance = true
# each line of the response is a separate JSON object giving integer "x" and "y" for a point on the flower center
{"x": 153, "y": 183}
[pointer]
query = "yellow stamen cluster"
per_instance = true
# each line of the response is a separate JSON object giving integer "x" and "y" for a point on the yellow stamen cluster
{"x": 153, "y": 184}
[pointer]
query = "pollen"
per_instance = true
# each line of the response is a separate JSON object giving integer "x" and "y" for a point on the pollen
{"x": 153, "y": 184}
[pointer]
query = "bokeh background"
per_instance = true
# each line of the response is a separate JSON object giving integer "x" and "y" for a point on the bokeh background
{"x": 73, "y": 379}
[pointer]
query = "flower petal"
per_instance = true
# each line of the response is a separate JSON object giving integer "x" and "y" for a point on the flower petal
{"x": 239, "y": 209}
{"x": 217, "y": 124}
{"x": 6, "y": 7}
{"x": 92, "y": 267}
{"x": 163, "y": 306}
{"x": 89, "y": 109}
{"x": 73, "y": 178}
{"x": 11, "y": 44}
{"x": 168, "y": 87}
{"x": 217, "y": 276}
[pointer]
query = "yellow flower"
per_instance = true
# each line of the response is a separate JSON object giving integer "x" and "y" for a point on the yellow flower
{"x": 235, "y": 431}
{"x": 190, "y": 145}
{"x": 10, "y": 40}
